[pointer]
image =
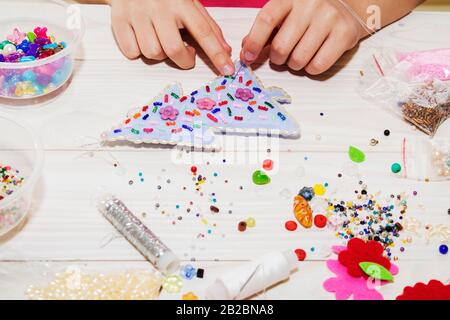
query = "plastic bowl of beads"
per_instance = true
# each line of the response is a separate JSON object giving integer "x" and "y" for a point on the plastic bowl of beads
{"x": 20, "y": 167}
{"x": 37, "y": 47}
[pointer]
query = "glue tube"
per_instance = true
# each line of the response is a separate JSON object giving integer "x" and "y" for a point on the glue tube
{"x": 248, "y": 279}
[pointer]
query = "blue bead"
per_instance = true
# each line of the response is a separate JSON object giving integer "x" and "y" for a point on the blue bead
{"x": 50, "y": 46}
{"x": 29, "y": 76}
{"x": 27, "y": 59}
{"x": 24, "y": 46}
{"x": 443, "y": 249}
{"x": 188, "y": 272}
{"x": 307, "y": 193}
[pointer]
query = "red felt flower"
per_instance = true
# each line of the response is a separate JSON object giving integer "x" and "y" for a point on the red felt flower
{"x": 434, "y": 290}
{"x": 360, "y": 251}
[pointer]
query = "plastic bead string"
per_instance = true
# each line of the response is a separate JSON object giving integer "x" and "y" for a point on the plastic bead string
{"x": 236, "y": 103}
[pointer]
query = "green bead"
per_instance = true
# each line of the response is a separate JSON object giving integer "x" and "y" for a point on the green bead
{"x": 448, "y": 163}
{"x": 260, "y": 178}
{"x": 4, "y": 43}
{"x": 396, "y": 168}
{"x": 31, "y": 36}
{"x": 356, "y": 155}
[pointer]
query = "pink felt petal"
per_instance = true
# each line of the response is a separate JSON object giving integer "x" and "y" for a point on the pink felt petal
{"x": 344, "y": 285}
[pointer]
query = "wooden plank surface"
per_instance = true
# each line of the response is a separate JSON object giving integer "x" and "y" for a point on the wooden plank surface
{"x": 65, "y": 229}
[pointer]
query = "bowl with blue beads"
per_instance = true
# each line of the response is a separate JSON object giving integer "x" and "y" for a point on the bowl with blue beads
{"x": 37, "y": 48}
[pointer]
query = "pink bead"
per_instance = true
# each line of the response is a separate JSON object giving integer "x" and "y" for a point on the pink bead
{"x": 46, "y": 69}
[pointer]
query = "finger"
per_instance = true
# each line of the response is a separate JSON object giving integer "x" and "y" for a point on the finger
{"x": 206, "y": 38}
{"x": 125, "y": 37}
{"x": 288, "y": 37}
{"x": 147, "y": 40}
{"x": 267, "y": 20}
{"x": 172, "y": 43}
{"x": 308, "y": 46}
{"x": 217, "y": 30}
{"x": 330, "y": 52}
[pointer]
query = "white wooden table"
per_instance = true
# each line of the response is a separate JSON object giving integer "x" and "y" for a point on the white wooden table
{"x": 64, "y": 228}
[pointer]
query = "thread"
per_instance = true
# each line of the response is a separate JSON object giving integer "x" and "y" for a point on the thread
{"x": 248, "y": 279}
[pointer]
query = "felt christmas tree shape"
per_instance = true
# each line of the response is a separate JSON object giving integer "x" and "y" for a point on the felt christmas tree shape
{"x": 236, "y": 103}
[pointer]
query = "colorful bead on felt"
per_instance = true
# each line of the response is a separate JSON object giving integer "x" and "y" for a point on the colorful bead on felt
{"x": 168, "y": 113}
{"x": 214, "y": 105}
{"x": 244, "y": 94}
{"x": 205, "y": 104}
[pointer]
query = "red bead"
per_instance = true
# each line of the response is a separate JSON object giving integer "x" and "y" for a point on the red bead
{"x": 242, "y": 226}
{"x": 291, "y": 225}
{"x": 320, "y": 221}
{"x": 301, "y": 254}
{"x": 268, "y": 164}
{"x": 194, "y": 169}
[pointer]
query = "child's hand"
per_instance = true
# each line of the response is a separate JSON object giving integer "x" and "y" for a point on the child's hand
{"x": 313, "y": 34}
{"x": 151, "y": 28}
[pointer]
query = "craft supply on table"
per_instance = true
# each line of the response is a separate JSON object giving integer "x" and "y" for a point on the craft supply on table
{"x": 251, "y": 278}
{"x": 73, "y": 284}
{"x": 413, "y": 84}
{"x": 10, "y": 180}
{"x": 231, "y": 104}
{"x": 360, "y": 268}
{"x": 21, "y": 160}
{"x": 37, "y": 55}
{"x": 137, "y": 233}
{"x": 426, "y": 159}
{"x": 27, "y": 68}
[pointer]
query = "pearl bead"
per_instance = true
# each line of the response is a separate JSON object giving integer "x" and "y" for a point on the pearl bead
{"x": 9, "y": 49}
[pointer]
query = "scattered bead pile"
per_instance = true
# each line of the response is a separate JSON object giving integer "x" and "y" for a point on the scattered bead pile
{"x": 368, "y": 220}
{"x": 9, "y": 181}
{"x": 74, "y": 285}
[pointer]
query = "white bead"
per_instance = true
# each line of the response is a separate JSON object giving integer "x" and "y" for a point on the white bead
{"x": 9, "y": 49}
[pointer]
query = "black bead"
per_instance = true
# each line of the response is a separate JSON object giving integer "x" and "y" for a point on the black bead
{"x": 200, "y": 273}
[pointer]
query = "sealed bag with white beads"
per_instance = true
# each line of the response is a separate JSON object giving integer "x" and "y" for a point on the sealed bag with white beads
{"x": 414, "y": 84}
{"x": 427, "y": 159}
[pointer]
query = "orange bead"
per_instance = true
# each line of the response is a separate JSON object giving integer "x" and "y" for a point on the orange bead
{"x": 303, "y": 212}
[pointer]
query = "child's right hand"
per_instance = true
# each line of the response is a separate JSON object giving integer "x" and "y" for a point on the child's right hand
{"x": 151, "y": 28}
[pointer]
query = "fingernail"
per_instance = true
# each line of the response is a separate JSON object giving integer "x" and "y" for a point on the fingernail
{"x": 249, "y": 56}
{"x": 228, "y": 70}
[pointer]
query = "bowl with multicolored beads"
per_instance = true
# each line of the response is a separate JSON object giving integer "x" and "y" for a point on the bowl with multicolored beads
{"x": 37, "y": 48}
{"x": 21, "y": 160}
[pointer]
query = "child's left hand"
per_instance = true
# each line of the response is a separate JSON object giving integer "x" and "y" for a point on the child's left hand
{"x": 313, "y": 34}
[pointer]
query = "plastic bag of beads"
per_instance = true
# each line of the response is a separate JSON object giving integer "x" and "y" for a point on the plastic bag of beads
{"x": 415, "y": 85}
{"x": 426, "y": 159}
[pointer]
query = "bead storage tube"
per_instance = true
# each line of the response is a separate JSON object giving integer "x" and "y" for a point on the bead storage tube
{"x": 137, "y": 233}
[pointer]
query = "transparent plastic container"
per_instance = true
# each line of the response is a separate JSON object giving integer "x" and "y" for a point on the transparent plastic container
{"x": 25, "y": 81}
{"x": 21, "y": 150}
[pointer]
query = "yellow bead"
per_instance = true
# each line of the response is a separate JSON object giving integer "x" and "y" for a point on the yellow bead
{"x": 319, "y": 189}
{"x": 251, "y": 222}
{"x": 189, "y": 296}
